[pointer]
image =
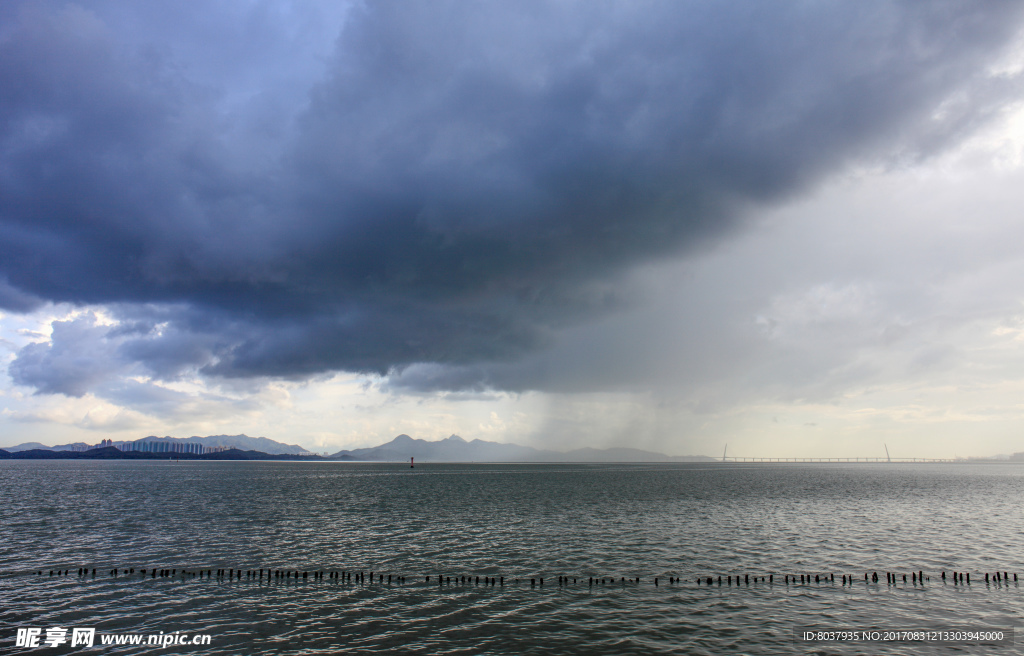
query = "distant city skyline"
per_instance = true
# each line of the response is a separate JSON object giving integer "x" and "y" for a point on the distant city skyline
{"x": 792, "y": 228}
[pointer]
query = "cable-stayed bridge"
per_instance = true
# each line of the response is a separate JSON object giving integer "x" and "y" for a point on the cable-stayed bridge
{"x": 895, "y": 460}
{"x": 887, "y": 458}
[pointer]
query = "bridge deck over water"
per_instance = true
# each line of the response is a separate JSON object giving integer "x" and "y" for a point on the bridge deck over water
{"x": 798, "y": 460}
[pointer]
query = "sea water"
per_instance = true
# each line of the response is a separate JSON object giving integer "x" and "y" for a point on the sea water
{"x": 624, "y": 524}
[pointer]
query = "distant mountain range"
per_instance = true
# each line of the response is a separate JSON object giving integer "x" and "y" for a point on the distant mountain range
{"x": 400, "y": 449}
{"x": 240, "y": 442}
{"x": 113, "y": 453}
{"x": 456, "y": 449}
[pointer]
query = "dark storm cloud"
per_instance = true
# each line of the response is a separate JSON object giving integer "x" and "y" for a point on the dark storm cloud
{"x": 17, "y": 300}
{"x": 453, "y": 185}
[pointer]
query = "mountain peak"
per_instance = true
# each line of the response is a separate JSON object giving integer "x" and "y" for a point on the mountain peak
{"x": 456, "y": 449}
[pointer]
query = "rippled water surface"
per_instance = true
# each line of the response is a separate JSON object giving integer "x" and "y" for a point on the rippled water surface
{"x": 515, "y": 521}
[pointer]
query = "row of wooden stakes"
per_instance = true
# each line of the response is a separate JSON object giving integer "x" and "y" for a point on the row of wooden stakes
{"x": 916, "y": 578}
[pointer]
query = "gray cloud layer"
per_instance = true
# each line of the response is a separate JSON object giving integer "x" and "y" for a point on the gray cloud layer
{"x": 454, "y": 184}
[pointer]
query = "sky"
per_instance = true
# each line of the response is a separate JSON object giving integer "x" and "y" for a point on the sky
{"x": 789, "y": 228}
